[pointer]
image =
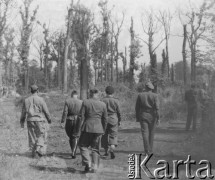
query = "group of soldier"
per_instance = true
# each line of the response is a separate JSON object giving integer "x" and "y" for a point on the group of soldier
{"x": 92, "y": 123}
{"x": 87, "y": 124}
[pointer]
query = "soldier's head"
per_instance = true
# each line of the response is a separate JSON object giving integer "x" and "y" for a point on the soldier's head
{"x": 34, "y": 89}
{"x": 109, "y": 90}
{"x": 94, "y": 93}
{"x": 74, "y": 94}
{"x": 149, "y": 86}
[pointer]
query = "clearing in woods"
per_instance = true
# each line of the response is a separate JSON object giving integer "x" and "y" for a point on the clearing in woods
{"x": 171, "y": 143}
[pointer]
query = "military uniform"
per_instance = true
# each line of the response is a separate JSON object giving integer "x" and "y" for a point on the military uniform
{"x": 36, "y": 112}
{"x": 94, "y": 118}
{"x": 147, "y": 114}
{"x": 191, "y": 97}
{"x": 71, "y": 113}
{"x": 114, "y": 118}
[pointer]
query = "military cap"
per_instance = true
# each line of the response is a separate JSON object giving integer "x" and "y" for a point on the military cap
{"x": 109, "y": 90}
{"x": 34, "y": 87}
{"x": 149, "y": 85}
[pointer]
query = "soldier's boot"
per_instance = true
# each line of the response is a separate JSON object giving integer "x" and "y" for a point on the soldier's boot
{"x": 95, "y": 161}
{"x": 106, "y": 152}
{"x": 112, "y": 155}
{"x": 38, "y": 152}
{"x": 74, "y": 147}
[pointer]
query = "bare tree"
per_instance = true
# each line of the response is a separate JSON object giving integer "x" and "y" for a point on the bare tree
{"x": 165, "y": 18}
{"x": 81, "y": 31}
{"x": 116, "y": 30}
{"x": 28, "y": 20}
{"x": 196, "y": 28}
{"x": 39, "y": 46}
{"x": 67, "y": 44}
{"x": 124, "y": 61}
{"x": 134, "y": 53}
{"x": 184, "y": 54}
{"x": 5, "y": 7}
{"x": 151, "y": 26}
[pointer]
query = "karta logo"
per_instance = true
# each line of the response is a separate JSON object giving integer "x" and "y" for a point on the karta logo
{"x": 138, "y": 165}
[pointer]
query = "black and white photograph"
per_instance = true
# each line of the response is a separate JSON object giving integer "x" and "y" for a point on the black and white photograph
{"x": 107, "y": 89}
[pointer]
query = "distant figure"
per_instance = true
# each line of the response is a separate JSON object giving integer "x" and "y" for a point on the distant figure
{"x": 109, "y": 139}
{"x": 71, "y": 113}
{"x": 94, "y": 118}
{"x": 36, "y": 113}
{"x": 191, "y": 97}
{"x": 147, "y": 114}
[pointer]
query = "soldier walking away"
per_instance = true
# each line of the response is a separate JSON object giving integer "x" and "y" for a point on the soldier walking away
{"x": 36, "y": 113}
{"x": 109, "y": 139}
{"x": 94, "y": 118}
{"x": 147, "y": 113}
{"x": 191, "y": 97}
{"x": 71, "y": 113}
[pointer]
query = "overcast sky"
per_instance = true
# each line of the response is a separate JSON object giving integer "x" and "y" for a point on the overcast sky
{"x": 54, "y": 12}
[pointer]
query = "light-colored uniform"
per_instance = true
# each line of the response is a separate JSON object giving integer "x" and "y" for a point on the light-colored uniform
{"x": 36, "y": 113}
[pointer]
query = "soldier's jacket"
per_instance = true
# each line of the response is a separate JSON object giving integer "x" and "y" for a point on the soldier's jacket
{"x": 113, "y": 110}
{"x": 94, "y": 116}
{"x": 35, "y": 109}
{"x": 147, "y": 107}
{"x": 71, "y": 109}
{"x": 191, "y": 97}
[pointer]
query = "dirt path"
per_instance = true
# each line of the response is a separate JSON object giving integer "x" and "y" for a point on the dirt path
{"x": 170, "y": 144}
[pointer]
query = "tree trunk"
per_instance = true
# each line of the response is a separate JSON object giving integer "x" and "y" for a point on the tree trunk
{"x": 84, "y": 78}
{"x": 67, "y": 43}
{"x": 1, "y": 51}
{"x": 116, "y": 59}
{"x": 59, "y": 73}
{"x": 193, "y": 62}
{"x": 124, "y": 65}
{"x": 111, "y": 56}
{"x": 167, "y": 56}
{"x": 184, "y": 55}
{"x": 26, "y": 75}
{"x": 131, "y": 70}
{"x": 101, "y": 69}
{"x": 95, "y": 76}
{"x": 154, "y": 75}
{"x": 172, "y": 74}
{"x": 46, "y": 71}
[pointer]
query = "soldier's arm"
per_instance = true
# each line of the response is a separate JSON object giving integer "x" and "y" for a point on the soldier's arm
{"x": 82, "y": 117}
{"x": 46, "y": 111}
{"x": 157, "y": 107}
{"x": 118, "y": 110}
{"x": 104, "y": 118}
{"x": 23, "y": 115}
{"x": 65, "y": 112}
{"x": 137, "y": 107}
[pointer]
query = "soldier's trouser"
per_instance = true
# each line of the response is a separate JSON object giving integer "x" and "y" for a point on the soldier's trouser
{"x": 110, "y": 136}
{"x": 37, "y": 135}
{"x": 90, "y": 140}
{"x": 71, "y": 131}
{"x": 147, "y": 129}
{"x": 191, "y": 118}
